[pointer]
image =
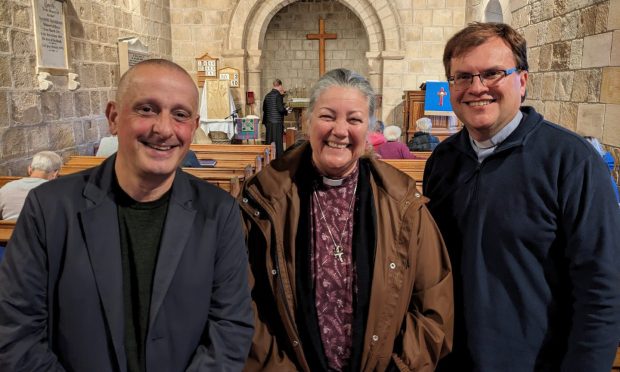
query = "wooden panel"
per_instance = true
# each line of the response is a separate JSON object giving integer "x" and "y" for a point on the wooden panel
{"x": 414, "y": 168}
{"x": 6, "y": 230}
{"x": 6, "y": 179}
{"x": 616, "y": 365}
{"x": 421, "y": 154}
{"x": 413, "y": 109}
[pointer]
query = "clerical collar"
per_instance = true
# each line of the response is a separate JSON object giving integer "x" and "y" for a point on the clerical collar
{"x": 335, "y": 182}
{"x": 485, "y": 148}
{"x": 332, "y": 181}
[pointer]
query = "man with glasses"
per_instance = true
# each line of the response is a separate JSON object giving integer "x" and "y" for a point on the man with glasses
{"x": 526, "y": 210}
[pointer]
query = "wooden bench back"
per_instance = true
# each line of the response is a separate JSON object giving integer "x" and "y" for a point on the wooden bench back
{"x": 6, "y": 230}
{"x": 414, "y": 168}
{"x": 203, "y": 151}
{"x": 222, "y": 162}
{"x": 421, "y": 154}
{"x": 6, "y": 179}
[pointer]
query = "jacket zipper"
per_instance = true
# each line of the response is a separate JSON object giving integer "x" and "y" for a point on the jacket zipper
{"x": 279, "y": 276}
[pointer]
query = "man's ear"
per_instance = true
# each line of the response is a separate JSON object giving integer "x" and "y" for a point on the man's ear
{"x": 111, "y": 112}
{"x": 196, "y": 125}
{"x": 29, "y": 170}
{"x": 523, "y": 82}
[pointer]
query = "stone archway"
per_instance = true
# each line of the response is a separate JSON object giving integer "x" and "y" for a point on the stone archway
{"x": 250, "y": 19}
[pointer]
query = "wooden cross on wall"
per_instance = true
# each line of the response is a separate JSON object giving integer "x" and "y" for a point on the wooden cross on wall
{"x": 321, "y": 37}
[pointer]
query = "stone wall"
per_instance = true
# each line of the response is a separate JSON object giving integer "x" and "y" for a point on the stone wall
{"x": 574, "y": 55}
{"x": 69, "y": 122}
{"x": 198, "y": 27}
{"x": 426, "y": 26}
{"x": 409, "y": 36}
{"x": 289, "y": 56}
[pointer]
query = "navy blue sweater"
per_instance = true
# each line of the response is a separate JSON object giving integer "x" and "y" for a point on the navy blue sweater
{"x": 533, "y": 233}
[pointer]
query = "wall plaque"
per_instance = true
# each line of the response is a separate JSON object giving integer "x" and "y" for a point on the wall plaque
{"x": 50, "y": 36}
{"x": 206, "y": 67}
{"x": 131, "y": 51}
{"x": 230, "y": 74}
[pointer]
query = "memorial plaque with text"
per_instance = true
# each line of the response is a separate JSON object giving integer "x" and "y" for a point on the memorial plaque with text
{"x": 50, "y": 32}
{"x": 131, "y": 51}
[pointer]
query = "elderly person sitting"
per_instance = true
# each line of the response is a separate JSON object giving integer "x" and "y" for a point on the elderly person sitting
{"x": 349, "y": 270}
{"x": 393, "y": 148}
{"x": 44, "y": 167}
{"x": 375, "y": 136}
{"x": 422, "y": 139}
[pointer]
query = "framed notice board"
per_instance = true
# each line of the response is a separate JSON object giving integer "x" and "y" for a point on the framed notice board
{"x": 230, "y": 74}
{"x": 206, "y": 67}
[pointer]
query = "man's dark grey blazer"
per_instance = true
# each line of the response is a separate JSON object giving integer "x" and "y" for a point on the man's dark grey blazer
{"x": 61, "y": 290}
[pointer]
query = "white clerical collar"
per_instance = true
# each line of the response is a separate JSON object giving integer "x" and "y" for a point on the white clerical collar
{"x": 332, "y": 181}
{"x": 485, "y": 148}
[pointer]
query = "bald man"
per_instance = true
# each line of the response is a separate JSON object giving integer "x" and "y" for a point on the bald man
{"x": 133, "y": 265}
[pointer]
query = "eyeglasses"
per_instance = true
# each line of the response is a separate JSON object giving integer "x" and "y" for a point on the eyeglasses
{"x": 490, "y": 78}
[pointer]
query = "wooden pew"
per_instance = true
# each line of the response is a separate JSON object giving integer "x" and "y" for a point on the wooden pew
{"x": 6, "y": 179}
{"x": 204, "y": 151}
{"x": 6, "y": 230}
{"x": 241, "y": 165}
{"x": 421, "y": 154}
{"x": 198, "y": 172}
{"x": 84, "y": 160}
{"x": 235, "y": 161}
{"x": 414, "y": 168}
{"x": 616, "y": 365}
{"x": 227, "y": 179}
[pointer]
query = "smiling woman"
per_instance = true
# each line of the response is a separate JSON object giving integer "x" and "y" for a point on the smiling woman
{"x": 339, "y": 232}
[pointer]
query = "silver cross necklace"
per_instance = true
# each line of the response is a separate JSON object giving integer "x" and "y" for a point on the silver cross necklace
{"x": 338, "y": 251}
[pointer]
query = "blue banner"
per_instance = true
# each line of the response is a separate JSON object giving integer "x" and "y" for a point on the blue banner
{"x": 437, "y": 99}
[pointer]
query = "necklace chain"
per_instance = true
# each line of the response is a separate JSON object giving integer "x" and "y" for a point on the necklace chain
{"x": 338, "y": 251}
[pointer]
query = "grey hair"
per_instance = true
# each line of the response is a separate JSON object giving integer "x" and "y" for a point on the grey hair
{"x": 46, "y": 161}
{"x": 347, "y": 79}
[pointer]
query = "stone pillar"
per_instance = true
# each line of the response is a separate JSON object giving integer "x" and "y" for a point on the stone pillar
{"x": 235, "y": 58}
{"x": 393, "y": 77}
{"x": 375, "y": 68}
{"x": 254, "y": 74}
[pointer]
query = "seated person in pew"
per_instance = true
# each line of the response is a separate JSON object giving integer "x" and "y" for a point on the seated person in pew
{"x": 375, "y": 135}
{"x": 133, "y": 265}
{"x": 422, "y": 139}
{"x": 44, "y": 167}
{"x": 393, "y": 148}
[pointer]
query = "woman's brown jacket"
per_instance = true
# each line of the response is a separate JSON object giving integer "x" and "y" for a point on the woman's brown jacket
{"x": 410, "y": 314}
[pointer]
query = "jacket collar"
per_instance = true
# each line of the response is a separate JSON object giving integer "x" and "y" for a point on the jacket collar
{"x": 519, "y": 137}
{"x": 277, "y": 179}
